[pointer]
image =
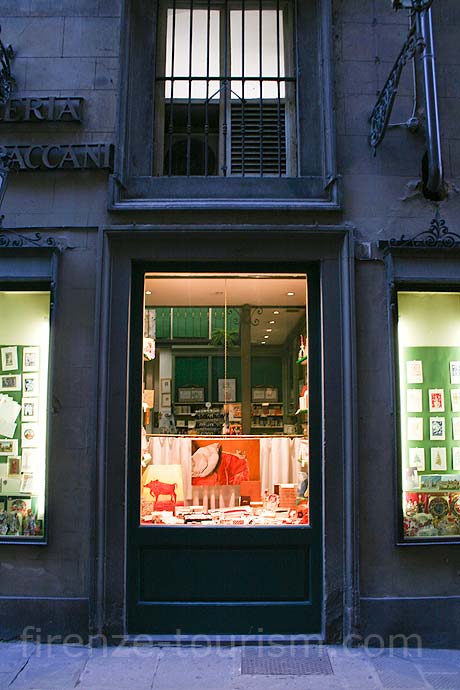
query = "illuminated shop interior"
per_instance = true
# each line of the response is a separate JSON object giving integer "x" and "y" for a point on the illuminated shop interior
{"x": 225, "y": 400}
{"x": 429, "y": 376}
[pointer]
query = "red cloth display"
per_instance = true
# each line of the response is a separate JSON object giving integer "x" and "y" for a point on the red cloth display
{"x": 231, "y": 469}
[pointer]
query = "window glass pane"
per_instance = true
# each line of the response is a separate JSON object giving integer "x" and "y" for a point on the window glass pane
{"x": 24, "y": 348}
{"x": 225, "y": 400}
{"x": 429, "y": 374}
{"x": 268, "y": 47}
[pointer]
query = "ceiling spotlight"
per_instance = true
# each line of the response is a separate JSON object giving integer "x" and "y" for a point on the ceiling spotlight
{"x": 268, "y": 330}
{"x": 271, "y": 322}
{"x": 276, "y": 312}
{"x": 263, "y": 342}
{"x": 290, "y": 294}
{"x": 148, "y": 292}
{"x": 266, "y": 336}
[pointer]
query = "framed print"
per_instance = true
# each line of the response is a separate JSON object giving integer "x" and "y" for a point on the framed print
{"x": 438, "y": 459}
{"x": 30, "y": 435}
{"x": 436, "y": 397}
{"x": 258, "y": 394}
{"x": 10, "y": 382}
{"x": 415, "y": 428}
{"x": 414, "y": 400}
{"x": 414, "y": 371}
{"x": 29, "y": 459}
{"x": 197, "y": 394}
{"x": 9, "y": 358}
{"x": 226, "y": 390}
{"x": 166, "y": 400}
{"x": 14, "y": 465}
{"x": 165, "y": 385}
{"x": 437, "y": 429}
{"x": 455, "y": 399}
{"x": 31, "y": 358}
{"x": 30, "y": 383}
{"x": 456, "y": 457}
{"x": 8, "y": 446}
{"x": 456, "y": 428}
{"x": 271, "y": 394}
{"x": 454, "y": 372}
{"x": 30, "y": 410}
{"x": 190, "y": 394}
{"x": 417, "y": 458}
{"x": 27, "y": 483}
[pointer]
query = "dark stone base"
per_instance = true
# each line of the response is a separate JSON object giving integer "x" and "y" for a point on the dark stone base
{"x": 42, "y": 618}
{"x": 416, "y": 621}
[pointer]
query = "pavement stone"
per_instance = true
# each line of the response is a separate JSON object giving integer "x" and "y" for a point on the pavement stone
{"x": 147, "y": 667}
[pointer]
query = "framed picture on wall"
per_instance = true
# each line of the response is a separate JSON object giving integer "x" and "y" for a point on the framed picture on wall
{"x": 30, "y": 383}
{"x": 226, "y": 390}
{"x": 8, "y": 446}
{"x": 165, "y": 385}
{"x": 31, "y": 358}
{"x": 9, "y": 358}
{"x": 30, "y": 410}
{"x": 166, "y": 400}
{"x": 437, "y": 429}
{"x": 436, "y": 396}
{"x": 10, "y": 382}
{"x": 438, "y": 459}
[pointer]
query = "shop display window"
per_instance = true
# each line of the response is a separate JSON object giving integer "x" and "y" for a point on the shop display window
{"x": 24, "y": 354}
{"x": 429, "y": 413}
{"x": 224, "y": 439}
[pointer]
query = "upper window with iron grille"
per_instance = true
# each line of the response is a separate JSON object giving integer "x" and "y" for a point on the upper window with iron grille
{"x": 225, "y": 104}
{"x": 225, "y": 90}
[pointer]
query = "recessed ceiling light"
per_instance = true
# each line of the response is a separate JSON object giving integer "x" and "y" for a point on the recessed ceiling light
{"x": 148, "y": 292}
{"x": 268, "y": 330}
{"x": 290, "y": 294}
{"x": 263, "y": 342}
{"x": 266, "y": 336}
{"x": 276, "y": 312}
{"x": 271, "y": 322}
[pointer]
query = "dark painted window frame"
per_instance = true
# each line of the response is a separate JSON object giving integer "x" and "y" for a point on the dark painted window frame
{"x": 133, "y": 185}
{"x": 413, "y": 270}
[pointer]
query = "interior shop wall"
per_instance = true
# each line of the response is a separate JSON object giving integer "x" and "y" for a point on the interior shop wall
{"x": 386, "y": 570}
{"x": 61, "y": 570}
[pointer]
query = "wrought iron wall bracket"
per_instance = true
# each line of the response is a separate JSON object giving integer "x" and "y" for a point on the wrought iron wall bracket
{"x": 381, "y": 113}
{"x": 438, "y": 236}
{"x": 6, "y": 78}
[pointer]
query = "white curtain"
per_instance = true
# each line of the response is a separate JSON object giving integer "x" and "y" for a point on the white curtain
{"x": 174, "y": 450}
{"x": 278, "y": 462}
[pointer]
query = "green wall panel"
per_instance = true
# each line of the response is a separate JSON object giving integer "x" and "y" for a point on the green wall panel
{"x": 267, "y": 371}
{"x": 191, "y": 371}
{"x": 233, "y": 372}
{"x": 190, "y": 322}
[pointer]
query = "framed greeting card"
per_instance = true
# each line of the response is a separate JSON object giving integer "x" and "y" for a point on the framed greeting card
{"x": 414, "y": 400}
{"x": 30, "y": 385}
{"x": 436, "y": 397}
{"x": 438, "y": 459}
{"x": 415, "y": 428}
{"x": 456, "y": 428}
{"x": 417, "y": 458}
{"x": 437, "y": 429}
{"x": 456, "y": 458}
{"x": 455, "y": 399}
{"x": 31, "y": 358}
{"x": 414, "y": 371}
{"x": 30, "y": 410}
{"x": 9, "y": 358}
{"x": 455, "y": 372}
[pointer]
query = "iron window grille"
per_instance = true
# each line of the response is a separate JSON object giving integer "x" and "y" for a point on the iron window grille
{"x": 225, "y": 90}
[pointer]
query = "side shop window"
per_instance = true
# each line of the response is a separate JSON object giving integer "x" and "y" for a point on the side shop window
{"x": 24, "y": 365}
{"x": 429, "y": 412}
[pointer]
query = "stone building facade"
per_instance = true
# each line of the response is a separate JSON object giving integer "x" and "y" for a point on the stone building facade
{"x": 87, "y": 49}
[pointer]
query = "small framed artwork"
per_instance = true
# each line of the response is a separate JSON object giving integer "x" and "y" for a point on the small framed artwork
{"x": 10, "y": 382}
{"x": 454, "y": 372}
{"x": 197, "y": 394}
{"x": 271, "y": 394}
{"x": 414, "y": 400}
{"x": 456, "y": 457}
{"x": 455, "y": 399}
{"x": 258, "y": 394}
{"x": 30, "y": 435}
{"x": 27, "y": 483}
{"x": 414, "y": 371}
{"x": 226, "y": 390}
{"x": 166, "y": 400}
{"x": 31, "y": 358}
{"x": 8, "y": 446}
{"x": 30, "y": 410}
{"x": 415, "y": 428}
{"x": 30, "y": 383}
{"x": 438, "y": 459}
{"x": 9, "y": 358}
{"x": 29, "y": 459}
{"x": 417, "y": 458}
{"x": 14, "y": 465}
{"x": 436, "y": 397}
{"x": 165, "y": 385}
{"x": 456, "y": 428}
{"x": 437, "y": 429}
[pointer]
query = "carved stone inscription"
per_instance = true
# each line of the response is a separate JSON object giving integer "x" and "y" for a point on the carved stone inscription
{"x": 50, "y": 109}
{"x": 60, "y": 156}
